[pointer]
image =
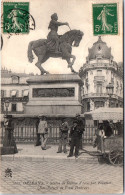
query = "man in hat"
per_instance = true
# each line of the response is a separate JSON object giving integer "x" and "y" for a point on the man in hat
{"x": 43, "y": 131}
{"x": 75, "y": 134}
{"x": 38, "y": 142}
{"x": 63, "y": 136}
{"x": 52, "y": 38}
{"x": 81, "y": 125}
{"x": 107, "y": 128}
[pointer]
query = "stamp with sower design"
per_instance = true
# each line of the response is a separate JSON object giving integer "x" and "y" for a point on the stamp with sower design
{"x": 105, "y": 20}
{"x": 16, "y": 18}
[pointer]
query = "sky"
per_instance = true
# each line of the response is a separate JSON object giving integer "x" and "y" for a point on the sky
{"x": 78, "y": 13}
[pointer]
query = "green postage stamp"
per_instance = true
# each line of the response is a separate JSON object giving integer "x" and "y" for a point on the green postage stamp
{"x": 15, "y": 17}
{"x": 105, "y": 19}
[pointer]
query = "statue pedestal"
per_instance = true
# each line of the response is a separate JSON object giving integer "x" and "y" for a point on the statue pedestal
{"x": 54, "y": 94}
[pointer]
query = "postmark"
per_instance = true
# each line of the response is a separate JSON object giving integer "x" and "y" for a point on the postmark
{"x": 16, "y": 18}
{"x": 105, "y": 19}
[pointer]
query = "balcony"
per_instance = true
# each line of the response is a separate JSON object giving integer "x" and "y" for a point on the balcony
{"x": 93, "y": 66}
{"x": 12, "y": 112}
{"x": 91, "y": 95}
{"x": 15, "y": 99}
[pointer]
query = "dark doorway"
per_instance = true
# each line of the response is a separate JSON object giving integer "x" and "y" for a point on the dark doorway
{"x": 14, "y": 107}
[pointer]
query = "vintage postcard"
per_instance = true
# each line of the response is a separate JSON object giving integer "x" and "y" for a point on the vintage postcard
{"x": 61, "y": 97}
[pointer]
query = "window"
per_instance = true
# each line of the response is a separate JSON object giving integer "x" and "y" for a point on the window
{"x": 121, "y": 87}
{"x": 25, "y": 93}
{"x": 15, "y": 79}
{"x": 14, "y": 93}
{"x": 3, "y": 93}
{"x": 95, "y": 123}
{"x": 112, "y": 77}
{"x": 82, "y": 90}
{"x": 14, "y": 107}
{"x": 99, "y": 72}
{"x": 86, "y": 75}
{"x": 117, "y": 86}
{"x": 99, "y": 88}
{"x": 99, "y": 104}
{"x": 112, "y": 80}
{"x": 88, "y": 106}
{"x": 99, "y": 47}
{"x": 2, "y": 107}
{"x": 117, "y": 105}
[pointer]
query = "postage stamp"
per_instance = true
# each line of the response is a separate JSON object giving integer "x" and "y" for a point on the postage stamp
{"x": 105, "y": 19}
{"x": 15, "y": 17}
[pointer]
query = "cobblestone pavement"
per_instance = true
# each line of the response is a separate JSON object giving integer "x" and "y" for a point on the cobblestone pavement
{"x": 59, "y": 176}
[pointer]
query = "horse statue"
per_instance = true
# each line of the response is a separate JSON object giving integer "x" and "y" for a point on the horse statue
{"x": 43, "y": 51}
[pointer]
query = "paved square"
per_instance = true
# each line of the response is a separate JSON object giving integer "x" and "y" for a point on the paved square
{"x": 59, "y": 176}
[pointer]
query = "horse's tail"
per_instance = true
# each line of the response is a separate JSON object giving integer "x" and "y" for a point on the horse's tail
{"x": 30, "y": 53}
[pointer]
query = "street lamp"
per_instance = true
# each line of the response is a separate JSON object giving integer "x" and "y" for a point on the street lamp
{"x": 110, "y": 89}
{"x": 7, "y": 105}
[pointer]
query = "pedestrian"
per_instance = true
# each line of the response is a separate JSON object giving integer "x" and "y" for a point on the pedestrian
{"x": 9, "y": 140}
{"x": 81, "y": 126}
{"x": 75, "y": 134}
{"x": 101, "y": 133}
{"x": 43, "y": 131}
{"x": 107, "y": 128}
{"x": 38, "y": 142}
{"x": 63, "y": 136}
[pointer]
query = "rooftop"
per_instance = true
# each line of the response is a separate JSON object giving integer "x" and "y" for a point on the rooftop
{"x": 99, "y": 48}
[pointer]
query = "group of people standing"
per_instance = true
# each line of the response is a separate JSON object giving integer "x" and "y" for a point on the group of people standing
{"x": 73, "y": 134}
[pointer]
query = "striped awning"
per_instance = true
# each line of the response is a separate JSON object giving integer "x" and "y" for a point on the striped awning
{"x": 115, "y": 114}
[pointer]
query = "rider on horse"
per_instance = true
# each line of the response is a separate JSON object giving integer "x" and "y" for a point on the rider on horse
{"x": 52, "y": 38}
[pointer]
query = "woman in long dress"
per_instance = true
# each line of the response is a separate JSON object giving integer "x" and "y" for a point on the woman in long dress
{"x": 9, "y": 140}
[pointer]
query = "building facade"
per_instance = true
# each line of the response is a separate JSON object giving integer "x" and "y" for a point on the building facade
{"x": 15, "y": 90}
{"x": 102, "y": 79}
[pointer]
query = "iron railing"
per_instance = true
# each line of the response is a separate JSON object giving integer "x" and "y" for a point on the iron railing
{"x": 27, "y": 134}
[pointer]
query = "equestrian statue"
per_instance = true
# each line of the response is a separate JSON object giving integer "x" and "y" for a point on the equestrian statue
{"x": 55, "y": 45}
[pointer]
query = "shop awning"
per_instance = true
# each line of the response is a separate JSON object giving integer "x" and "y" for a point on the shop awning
{"x": 115, "y": 114}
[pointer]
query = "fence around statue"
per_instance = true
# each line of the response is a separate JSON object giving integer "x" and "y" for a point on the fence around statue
{"x": 27, "y": 133}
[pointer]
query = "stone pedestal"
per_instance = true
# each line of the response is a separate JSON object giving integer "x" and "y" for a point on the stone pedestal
{"x": 54, "y": 94}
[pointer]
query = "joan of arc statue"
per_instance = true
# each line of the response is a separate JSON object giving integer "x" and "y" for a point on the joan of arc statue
{"x": 53, "y": 38}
